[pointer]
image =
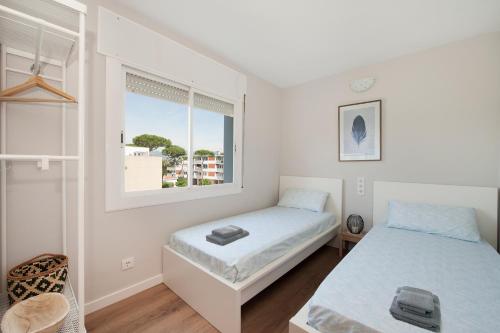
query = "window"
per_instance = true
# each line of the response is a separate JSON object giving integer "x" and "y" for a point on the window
{"x": 165, "y": 89}
{"x": 168, "y": 141}
{"x": 155, "y": 134}
{"x": 212, "y": 141}
{"x": 174, "y": 138}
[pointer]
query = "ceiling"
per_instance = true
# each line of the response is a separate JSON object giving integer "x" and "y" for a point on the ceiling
{"x": 288, "y": 42}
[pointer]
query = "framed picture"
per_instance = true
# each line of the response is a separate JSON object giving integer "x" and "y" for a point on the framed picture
{"x": 360, "y": 131}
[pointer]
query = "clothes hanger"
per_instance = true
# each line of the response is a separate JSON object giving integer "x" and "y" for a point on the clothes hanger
{"x": 36, "y": 81}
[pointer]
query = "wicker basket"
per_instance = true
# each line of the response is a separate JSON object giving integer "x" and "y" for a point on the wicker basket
{"x": 42, "y": 274}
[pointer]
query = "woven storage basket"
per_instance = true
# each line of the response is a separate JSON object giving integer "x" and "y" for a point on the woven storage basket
{"x": 42, "y": 274}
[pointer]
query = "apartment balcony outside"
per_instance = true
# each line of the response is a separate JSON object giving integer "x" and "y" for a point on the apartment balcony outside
{"x": 145, "y": 170}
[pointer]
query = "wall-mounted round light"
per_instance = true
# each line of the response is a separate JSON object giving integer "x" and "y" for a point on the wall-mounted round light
{"x": 362, "y": 85}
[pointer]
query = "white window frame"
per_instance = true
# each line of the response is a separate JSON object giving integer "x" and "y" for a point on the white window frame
{"x": 116, "y": 197}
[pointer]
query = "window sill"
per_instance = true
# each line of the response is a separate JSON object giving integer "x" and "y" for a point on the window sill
{"x": 130, "y": 200}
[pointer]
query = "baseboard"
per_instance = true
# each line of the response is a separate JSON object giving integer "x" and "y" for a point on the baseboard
{"x": 121, "y": 294}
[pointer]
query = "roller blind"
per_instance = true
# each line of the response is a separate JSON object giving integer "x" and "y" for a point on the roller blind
{"x": 141, "y": 85}
{"x": 213, "y": 104}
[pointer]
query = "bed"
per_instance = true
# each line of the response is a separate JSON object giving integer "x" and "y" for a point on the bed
{"x": 358, "y": 292}
{"x": 273, "y": 232}
{"x": 217, "y": 280}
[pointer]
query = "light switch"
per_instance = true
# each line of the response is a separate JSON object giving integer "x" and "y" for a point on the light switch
{"x": 360, "y": 186}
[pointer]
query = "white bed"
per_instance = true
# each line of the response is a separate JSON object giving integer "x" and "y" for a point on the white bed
{"x": 463, "y": 274}
{"x": 273, "y": 232}
{"x": 216, "y": 282}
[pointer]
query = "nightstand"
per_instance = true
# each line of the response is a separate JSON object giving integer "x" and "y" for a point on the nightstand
{"x": 345, "y": 237}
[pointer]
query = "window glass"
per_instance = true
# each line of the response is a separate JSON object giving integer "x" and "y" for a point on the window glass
{"x": 156, "y": 137}
{"x": 156, "y": 141}
{"x": 212, "y": 126}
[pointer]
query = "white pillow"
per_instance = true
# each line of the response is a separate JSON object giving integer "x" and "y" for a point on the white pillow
{"x": 304, "y": 199}
{"x": 448, "y": 221}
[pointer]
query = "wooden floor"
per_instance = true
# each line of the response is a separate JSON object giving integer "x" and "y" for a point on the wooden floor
{"x": 160, "y": 310}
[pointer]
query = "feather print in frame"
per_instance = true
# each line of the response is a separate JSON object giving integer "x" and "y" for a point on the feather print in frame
{"x": 360, "y": 131}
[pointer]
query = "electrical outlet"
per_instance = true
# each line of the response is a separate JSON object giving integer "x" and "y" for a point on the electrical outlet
{"x": 128, "y": 263}
{"x": 361, "y": 186}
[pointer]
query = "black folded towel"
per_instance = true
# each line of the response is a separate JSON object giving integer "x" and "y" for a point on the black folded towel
{"x": 224, "y": 241}
{"x": 228, "y": 231}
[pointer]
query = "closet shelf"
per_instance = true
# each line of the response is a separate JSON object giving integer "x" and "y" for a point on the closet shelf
{"x": 71, "y": 323}
{"x": 20, "y": 31}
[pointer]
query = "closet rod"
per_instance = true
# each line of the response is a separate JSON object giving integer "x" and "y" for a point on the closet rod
{"x": 33, "y": 100}
{"x": 46, "y": 77}
{"x": 38, "y": 21}
{"x": 15, "y": 157}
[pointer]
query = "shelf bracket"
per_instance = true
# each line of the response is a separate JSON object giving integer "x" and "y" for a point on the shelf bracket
{"x": 44, "y": 164}
{"x": 35, "y": 68}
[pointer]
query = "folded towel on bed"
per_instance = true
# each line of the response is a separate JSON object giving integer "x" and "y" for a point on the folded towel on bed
{"x": 432, "y": 323}
{"x": 228, "y": 231}
{"x": 416, "y": 301}
{"x": 224, "y": 241}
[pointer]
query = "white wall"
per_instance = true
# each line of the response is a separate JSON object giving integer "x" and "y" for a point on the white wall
{"x": 440, "y": 121}
{"x": 142, "y": 232}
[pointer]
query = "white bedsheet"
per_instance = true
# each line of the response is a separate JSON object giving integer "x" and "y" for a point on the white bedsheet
{"x": 273, "y": 232}
{"x": 465, "y": 276}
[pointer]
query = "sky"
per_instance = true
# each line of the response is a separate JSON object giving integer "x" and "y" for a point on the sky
{"x": 148, "y": 115}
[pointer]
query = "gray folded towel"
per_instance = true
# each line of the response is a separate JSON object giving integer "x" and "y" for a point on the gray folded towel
{"x": 224, "y": 241}
{"x": 228, "y": 231}
{"x": 432, "y": 323}
{"x": 416, "y": 301}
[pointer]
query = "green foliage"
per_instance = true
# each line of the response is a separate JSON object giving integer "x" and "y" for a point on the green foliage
{"x": 206, "y": 182}
{"x": 167, "y": 185}
{"x": 204, "y": 152}
{"x": 174, "y": 151}
{"x": 175, "y": 154}
{"x": 181, "y": 182}
{"x": 151, "y": 141}
{"x": 164, "y": 167}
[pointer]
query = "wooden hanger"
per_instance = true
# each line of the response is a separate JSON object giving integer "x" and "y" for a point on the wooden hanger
{"x": 9, "y": 95}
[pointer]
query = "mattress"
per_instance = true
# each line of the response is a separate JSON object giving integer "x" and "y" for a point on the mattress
{"x": 465, "y": 276}
{"x": 273, "y": 232}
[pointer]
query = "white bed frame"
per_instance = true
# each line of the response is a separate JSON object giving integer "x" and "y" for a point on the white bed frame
{"x": 483, "y": 199}
{"x": 218, "y": 300}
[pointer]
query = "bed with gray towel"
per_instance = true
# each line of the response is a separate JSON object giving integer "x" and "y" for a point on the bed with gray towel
{"x": 226, "y": 235}
{"x": 272, "y": 232}
{"x": 465, "y": 275}
{"x": 417, "y": 307}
